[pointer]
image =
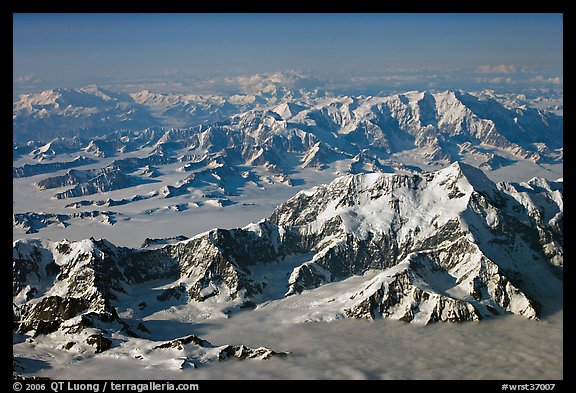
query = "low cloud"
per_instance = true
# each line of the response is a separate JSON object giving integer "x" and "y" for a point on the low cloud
{"x": 30, "y": 78}
{"x": 498, "y": 69}
{"x": 552, "y": 80}
{"x": 501, "y": 80}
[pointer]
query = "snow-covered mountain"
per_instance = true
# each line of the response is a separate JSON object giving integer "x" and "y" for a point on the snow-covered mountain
{"x": 275, "y": 143}
{"x": 32, "y": 222}
{"x": 448, "y": 245}
{"x": 69, "y": 112}
{"x": 37, "y": 169}
{"x": 95, "y": 111}
{"x": 388, "y": 206}
{"x": 440, "y": 125}
{"x": 69, "y": 288}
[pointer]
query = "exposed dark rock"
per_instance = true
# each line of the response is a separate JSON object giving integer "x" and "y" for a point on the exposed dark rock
{"x": 243, "y": 352}
{"x": 100, "y": 342}
{"x": 178, "y": 343}
{"x": 69, "y": 345}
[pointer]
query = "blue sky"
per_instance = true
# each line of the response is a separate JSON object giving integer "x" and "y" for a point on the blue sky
{"x": 77, "y": 49}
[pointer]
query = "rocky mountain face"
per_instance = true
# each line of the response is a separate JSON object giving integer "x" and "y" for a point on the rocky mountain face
{"x": 451, "y": 246}
{"x": 70, "y": 287}
{"x": 444, "y": 246}
{"x": 439, "y": 126}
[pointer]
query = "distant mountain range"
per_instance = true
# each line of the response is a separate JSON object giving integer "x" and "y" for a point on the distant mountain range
{"x": 367, "y": 133}
{"x": 442, "y": 123}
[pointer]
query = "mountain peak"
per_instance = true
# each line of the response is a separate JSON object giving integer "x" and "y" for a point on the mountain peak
{"x": 373, "y": 202}
{"x": 474, "y": 176}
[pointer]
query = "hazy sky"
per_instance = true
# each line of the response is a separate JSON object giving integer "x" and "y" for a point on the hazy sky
{"x": 77, "y": 49}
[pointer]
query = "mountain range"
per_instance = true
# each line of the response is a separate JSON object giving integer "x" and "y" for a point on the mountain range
{"x": 379, "y": 207}
{"x": 384, "y": 134}
{"x": 444, "y": 246}
{"x": 440, "y": 122}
